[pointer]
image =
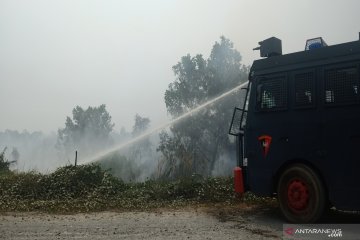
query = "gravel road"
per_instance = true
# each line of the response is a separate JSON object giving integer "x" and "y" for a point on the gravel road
{"x": 216, "y": 222}
{"x": 195, "y": 222}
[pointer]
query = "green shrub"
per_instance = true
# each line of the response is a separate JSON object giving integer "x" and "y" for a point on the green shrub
{"x": 80, "y": 181}
{"x": 21, "y": 185}
{"x": 4, "y": 163}
{"x": 90, "y": 188}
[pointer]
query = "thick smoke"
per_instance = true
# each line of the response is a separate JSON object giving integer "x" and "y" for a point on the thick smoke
{"x": 136, "y": 162}
{"x": 31, "y": 151}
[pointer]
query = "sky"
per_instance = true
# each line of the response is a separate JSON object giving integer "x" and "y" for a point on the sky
{"x": 57, "y": 54}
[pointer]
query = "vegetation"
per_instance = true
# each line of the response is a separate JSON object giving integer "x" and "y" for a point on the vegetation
{"x": 89, "y": 188}
{"x": 88, "y": 131}
{"x": 120, "y": 166}
{"x": 4, "y": 163}
{"x": 195, "y": 144}
{"x": 137, "y": 161}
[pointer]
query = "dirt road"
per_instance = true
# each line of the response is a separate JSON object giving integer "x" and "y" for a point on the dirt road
{"x": 187, "y": 223}
{"x": 195, "y": 222}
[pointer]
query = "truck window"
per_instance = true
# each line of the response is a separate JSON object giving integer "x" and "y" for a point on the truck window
{"x": 341, "y": 86}
{"x": 304, "y": 84}
{"x": 271, "y": 93}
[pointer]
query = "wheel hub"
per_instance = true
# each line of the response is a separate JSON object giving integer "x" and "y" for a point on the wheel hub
{"x": 298, "y": 195}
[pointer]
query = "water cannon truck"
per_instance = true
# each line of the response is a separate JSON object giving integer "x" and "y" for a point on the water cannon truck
{"x": 298, "y": 129}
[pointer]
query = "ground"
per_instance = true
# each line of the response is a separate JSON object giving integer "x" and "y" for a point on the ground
{"x": 191, "y": 222}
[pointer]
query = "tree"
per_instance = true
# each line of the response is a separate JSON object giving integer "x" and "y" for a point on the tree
{"x": 143, "y": 146}
{"x": 4, "y": 163}
{"x": 15, "y": 155}
{"x": 88, "y": 131}
{"x": 196, "y": 143}
{"x": 141, "y": 125}
{"x": 135, "y": 161}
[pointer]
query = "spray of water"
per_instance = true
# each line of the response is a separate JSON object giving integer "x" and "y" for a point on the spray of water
{"x": 116, "y": 148}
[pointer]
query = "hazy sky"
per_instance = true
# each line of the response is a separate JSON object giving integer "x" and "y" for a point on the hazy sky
{"x": 57, "y": 54}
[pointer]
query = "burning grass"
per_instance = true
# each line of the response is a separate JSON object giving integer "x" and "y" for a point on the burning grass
{"x": 87, "y": 188}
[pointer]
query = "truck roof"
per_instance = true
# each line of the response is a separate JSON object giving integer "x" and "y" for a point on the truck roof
{"x": 344, "y": 52}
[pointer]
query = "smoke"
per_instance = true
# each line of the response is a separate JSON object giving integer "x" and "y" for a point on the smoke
{"x": 32, "y": 151}
{"x": 128, "y": 156}
{"x": 140, "y": 159}
{"x": 224, "y": 164}
{"x": 196, "y": 110}
{"x": 137, "y": 162}
{"x": 37, "y": 151}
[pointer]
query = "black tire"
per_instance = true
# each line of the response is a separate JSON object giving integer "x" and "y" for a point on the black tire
{"x": 301, "y": 194}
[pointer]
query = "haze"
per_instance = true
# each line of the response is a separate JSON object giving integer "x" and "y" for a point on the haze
{"x": 55, "y": 55}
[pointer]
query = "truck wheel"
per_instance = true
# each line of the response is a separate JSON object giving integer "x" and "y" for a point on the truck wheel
{"x": 301, "y": 194}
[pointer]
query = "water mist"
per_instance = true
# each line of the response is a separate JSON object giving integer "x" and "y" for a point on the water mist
{"x": 116, "y": 148}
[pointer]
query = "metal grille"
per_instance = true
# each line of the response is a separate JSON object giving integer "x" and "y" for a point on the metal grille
{"x": 235, "y": 128}
{"x": 272, "y": 94}
{"x": 341, "y": 86}
{"x": 304, "y": 89}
